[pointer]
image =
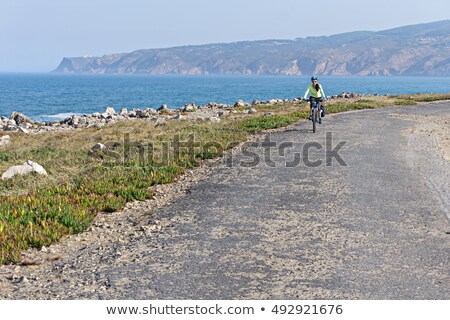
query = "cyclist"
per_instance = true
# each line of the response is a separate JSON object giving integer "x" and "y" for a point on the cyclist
{"x": 316, "y": 93}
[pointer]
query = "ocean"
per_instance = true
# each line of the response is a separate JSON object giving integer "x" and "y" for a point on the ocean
{"x": 51, "y": 97}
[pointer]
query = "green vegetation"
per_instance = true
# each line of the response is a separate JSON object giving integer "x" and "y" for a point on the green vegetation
{"x": 37, "y": 210}
{"x": 424, "y": 97}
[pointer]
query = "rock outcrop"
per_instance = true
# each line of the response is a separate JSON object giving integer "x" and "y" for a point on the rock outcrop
{"x": 26, "y": 168}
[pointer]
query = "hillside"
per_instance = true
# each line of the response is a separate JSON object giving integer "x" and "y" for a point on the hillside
{"x": 422, "y": 49}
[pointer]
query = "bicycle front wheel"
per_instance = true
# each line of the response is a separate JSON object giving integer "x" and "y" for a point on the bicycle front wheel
{"x": 314, "y": 118}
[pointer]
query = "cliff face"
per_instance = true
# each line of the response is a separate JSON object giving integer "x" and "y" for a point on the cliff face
{"x": 411, "y": 50}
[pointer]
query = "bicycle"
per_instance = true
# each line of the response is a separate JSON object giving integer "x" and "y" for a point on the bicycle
{"x": 316, "y": 104}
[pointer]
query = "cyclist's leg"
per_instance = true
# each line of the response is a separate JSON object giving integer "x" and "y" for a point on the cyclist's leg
{"x": 310, "y": 108}
{"x": 319, "y": 110}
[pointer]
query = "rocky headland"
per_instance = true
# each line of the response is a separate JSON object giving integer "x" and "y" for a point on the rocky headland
{"x": 415, "y": 50}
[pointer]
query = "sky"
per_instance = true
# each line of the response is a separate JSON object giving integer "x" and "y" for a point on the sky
{"x": 36, "y": 34}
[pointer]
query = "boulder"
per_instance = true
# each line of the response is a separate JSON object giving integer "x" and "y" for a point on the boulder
{"x": 24, "y": 130}
{"x": 82, "y": 121}
{"x": 110, "y": 111}
{"x": 98, "y": 148}
{"x": 188, "y": 107}
{"x": 240, "y": 103}
{"x": 96, "y": 115}
{"x": 106, "y": 115}
{"x": 252, "y": 110}
{"x": 4, "y": 140}
{"x": 20, "y": 118}
{"x": 222, "y": 113}
{"x": 212, "y": 105}
{"x": 10, "y": 127}
{"x": 124, "y": 112}
{"x": 141, "y": 113}
{"x": 162, "y": 108}
{"x": 26, "y": 168}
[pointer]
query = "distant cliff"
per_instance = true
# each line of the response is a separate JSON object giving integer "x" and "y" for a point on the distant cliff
{"x": 417, "y": 50}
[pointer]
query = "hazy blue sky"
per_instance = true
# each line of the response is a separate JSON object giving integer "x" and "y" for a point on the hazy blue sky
{"x": 36, "y": 34}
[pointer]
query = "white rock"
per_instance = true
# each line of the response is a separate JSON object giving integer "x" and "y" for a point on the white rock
{"x": 240, "y": 103}
{"x": 4, "y": 140}
{"x": 26, "y": 168}
{"x": 11, "y": 127}
{"x": 223, "y": 113}
{"x": 110, "y": 110}
{"x": 214, "y": 119}
{"x": 106, "y": 115}
{"x": 20, "y": 118}
{"x": 22, "y": 129}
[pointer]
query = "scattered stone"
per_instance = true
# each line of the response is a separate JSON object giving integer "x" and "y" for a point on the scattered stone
{"x": 252, "y": 111}
{"x": 222, "y": 113}
{"x": 214, "y": 119}
{"x": 123, "y": 112}
{"x": 274, "y": 101}
{"x": 26, "y": 168}
{"x": 160, "y": 123}
{"x": 21, "y": 279}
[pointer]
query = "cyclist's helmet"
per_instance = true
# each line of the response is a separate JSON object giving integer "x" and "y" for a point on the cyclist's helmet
{"x": 314, "y": 78}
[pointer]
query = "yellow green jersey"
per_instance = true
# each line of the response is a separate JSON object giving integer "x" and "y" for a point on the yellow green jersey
{"x": 314, "y": 93}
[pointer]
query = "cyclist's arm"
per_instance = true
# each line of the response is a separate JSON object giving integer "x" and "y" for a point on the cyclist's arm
{"x": 322, "y": 93}
{"x": 306, "y": 94}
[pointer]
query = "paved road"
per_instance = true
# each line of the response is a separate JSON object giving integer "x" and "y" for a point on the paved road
{"x": 373, "y": 225}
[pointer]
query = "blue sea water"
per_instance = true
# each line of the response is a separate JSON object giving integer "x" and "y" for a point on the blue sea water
{"x": 50, "y": 97}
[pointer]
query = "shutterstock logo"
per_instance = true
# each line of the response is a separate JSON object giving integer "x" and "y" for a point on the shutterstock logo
{"x": 289, "y": 154}
{"x": 250, "y": 154}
